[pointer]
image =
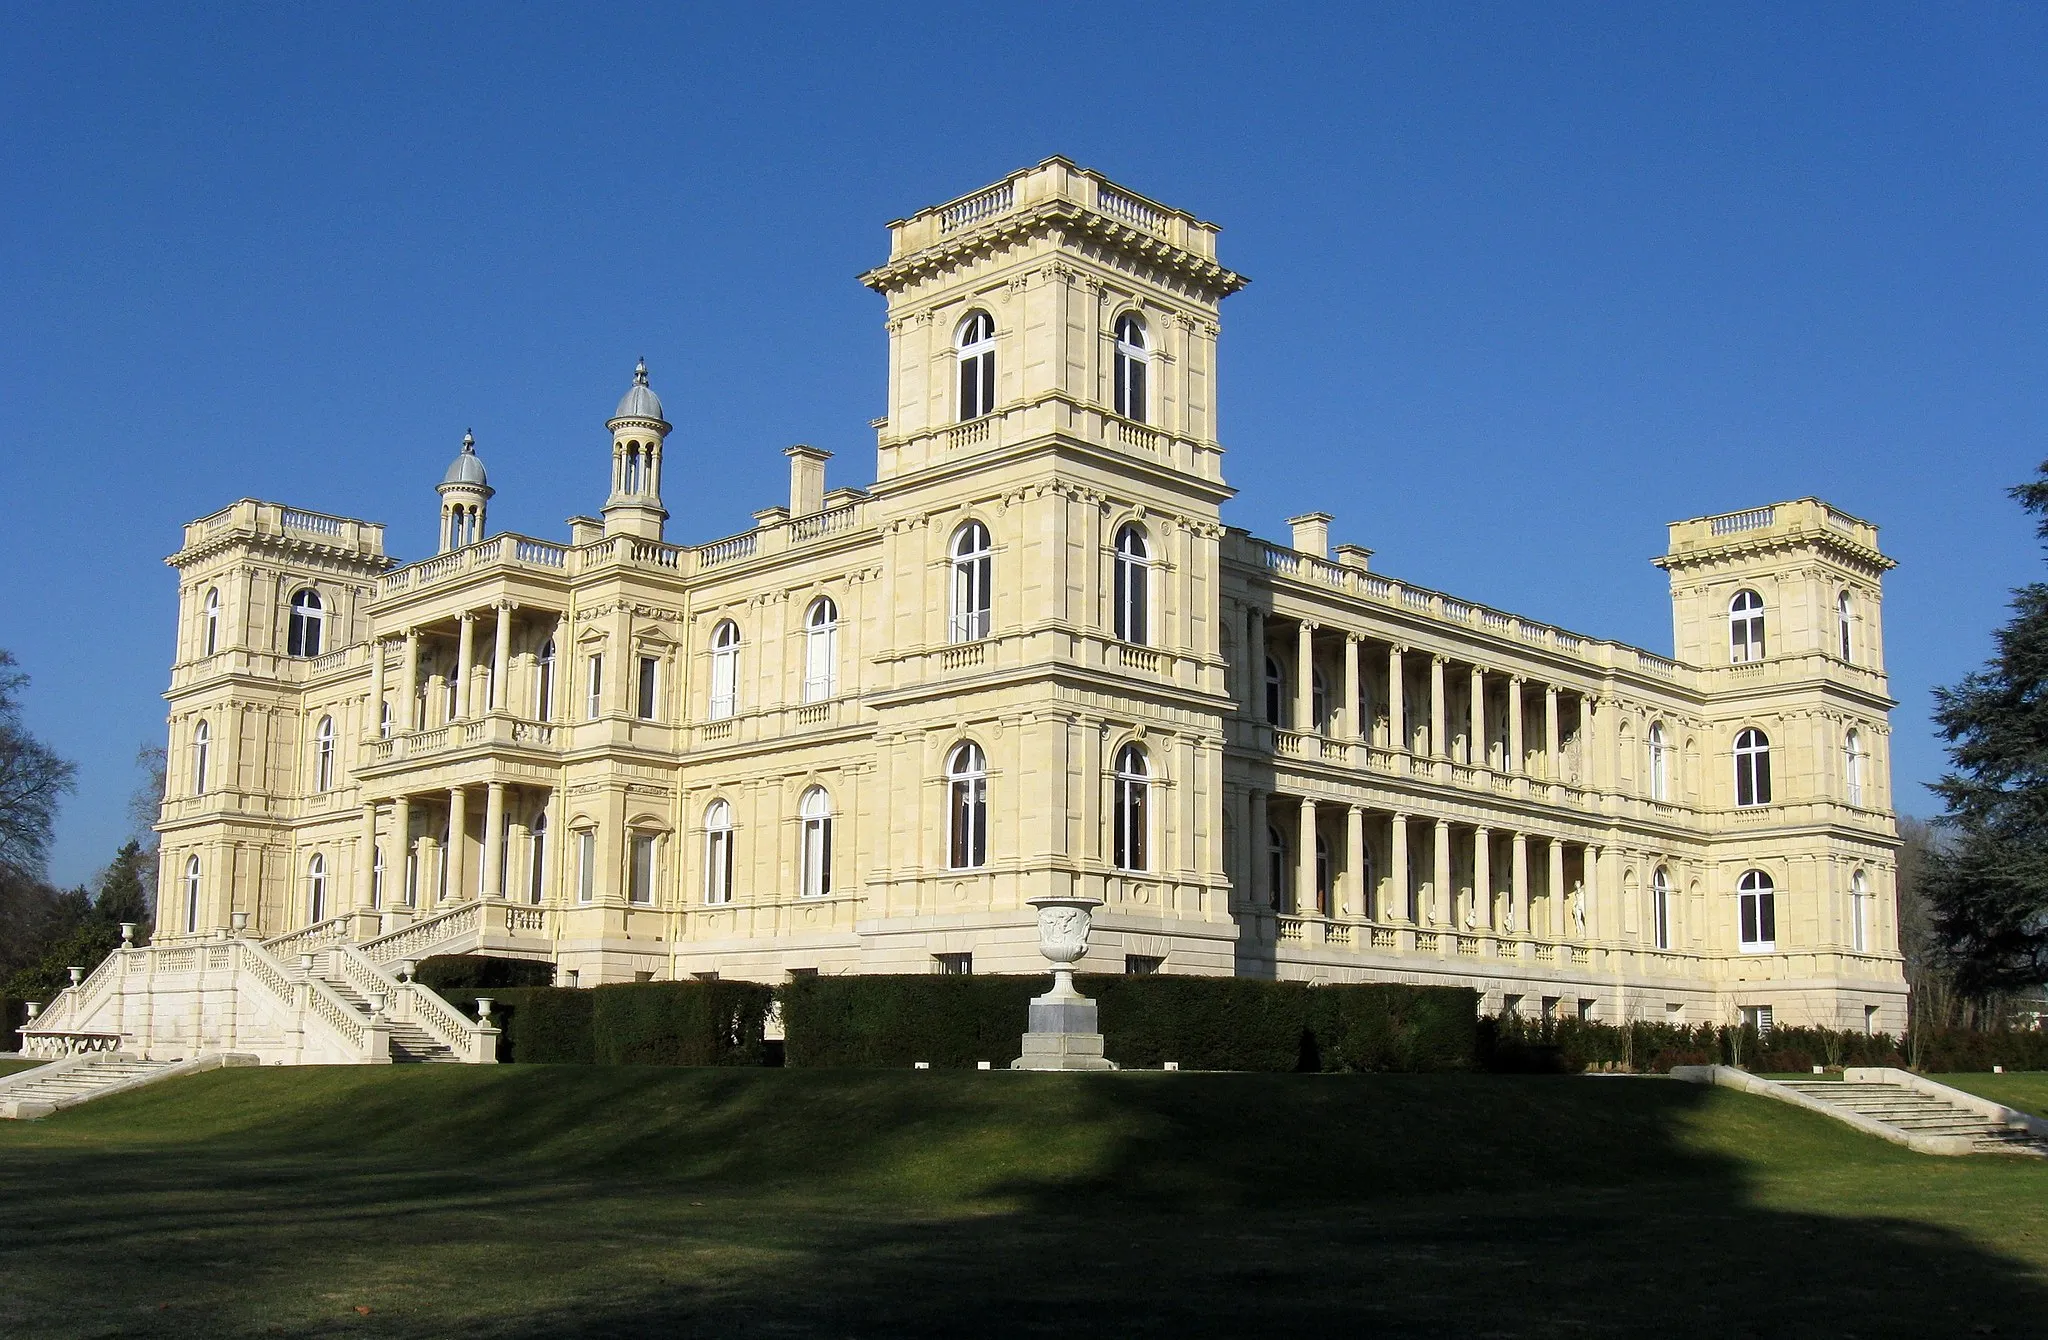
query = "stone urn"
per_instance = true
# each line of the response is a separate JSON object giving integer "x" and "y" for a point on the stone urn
{"x": 1063, "y": 1034}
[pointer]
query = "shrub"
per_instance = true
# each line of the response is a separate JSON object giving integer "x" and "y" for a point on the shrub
{"x": 882, "y": 1022}
{"x": 13, "y": 1014}
{"x": 1393, "y": 1027}
{"x": 681, "y": 1023}
{"x": 1204, "y": 1023}
{"x": 538, "y": 1025}
{"x": 482, "y": 970}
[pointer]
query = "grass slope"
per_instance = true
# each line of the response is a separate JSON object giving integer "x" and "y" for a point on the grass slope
{"x": 572, "y": 1201}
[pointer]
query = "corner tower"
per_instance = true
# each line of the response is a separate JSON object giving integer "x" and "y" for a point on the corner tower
{"x": 638, "y": 431}
{"x": 465, "y": 492}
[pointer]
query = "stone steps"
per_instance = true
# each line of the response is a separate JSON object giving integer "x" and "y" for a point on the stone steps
{"x": 34, "y": 1095}
{"x": 410, "y": 1043}
{"x": 1920, "y": 1114}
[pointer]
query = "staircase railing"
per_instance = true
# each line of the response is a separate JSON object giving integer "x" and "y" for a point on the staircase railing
{"x": 310, "y": 937}
{"x": 410, "y": 1002}
{"x": 359, "y": 1037}
{"x": 427, "y": 933}
{"x": 75, "y": 1004}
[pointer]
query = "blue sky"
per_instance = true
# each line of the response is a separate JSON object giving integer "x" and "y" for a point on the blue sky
{"x": 1528, "y": 281}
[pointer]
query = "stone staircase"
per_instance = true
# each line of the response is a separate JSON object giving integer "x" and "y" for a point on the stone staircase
{"x": 409, "y": 1041}
{"x": 1922, "y": 1114}
{"x": 80, "y": 1079}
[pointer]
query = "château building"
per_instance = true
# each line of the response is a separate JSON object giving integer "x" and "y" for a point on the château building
{"x": 1029, "y": 659}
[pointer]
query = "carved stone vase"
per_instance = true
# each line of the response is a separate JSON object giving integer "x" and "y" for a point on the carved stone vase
{"x": 1063, "y": 1034}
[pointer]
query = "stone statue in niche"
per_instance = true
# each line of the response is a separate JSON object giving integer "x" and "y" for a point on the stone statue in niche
{"x": 1579, "y": 907}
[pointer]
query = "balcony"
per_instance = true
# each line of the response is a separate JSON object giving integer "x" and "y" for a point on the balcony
{"x": 495, "y": 731}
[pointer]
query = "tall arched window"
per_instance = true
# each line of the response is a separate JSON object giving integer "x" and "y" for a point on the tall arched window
{"x": 1746, "y": 627}
{"x": 1758, "y": 907}
{"x": 1130, "y": 810}
{"x": 725, "y": 670}
{"x": 202, "y": 754}
{"x": 376, "y": 878}
{"x": 821, "y": 650}
{"x": 191, "y": 895}
{"x": 1844, "y": 624}
{"x": 1859, "y": 912}
{"x": 975, "y": 345}
{"x": 1752, "y": 767}
{"x": 316, "y": 889}
{"x": 544, "y": 682}
{"x": 632, "y": 467}
{"x": 967, "y": 808}
{"x": 1660, "y": 763}
{"x": 973, "y": 568}
{"x": 536, "y": 857}
{"x": 815, "y": 813}
{"x": 1852, "y": 766}
{"x": 308, "y": 624}
{"x": 1132, "y": 362}
{"x": 1133, "y": 586}
{"x": 1276, "y": 694}
{"x": 211, "y": 637}
{"x": 1279, "y": 869}
{"x": 1660, "y": 907}
{"x": 323, "y": 755}
{"x": 1322, "y": 875}
{"x": 1318, "y": 701}
{"x": 718, "y": 852}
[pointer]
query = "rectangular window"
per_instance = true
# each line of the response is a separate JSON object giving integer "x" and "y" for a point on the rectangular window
{"x": 953, "y": 965}
{"x": 1585, "y": 1009}
{"x": 1142, "y": 965}
{"x": 594, "y": 689}
{"x": 1550, "y": 1009}
{"x": 650, "y": 682}
{"x": 643, "y": 868}
{"x": 1759, "y": 1018}
{"x": 586, "y": 865}
{"x": 1510, "y": 1006}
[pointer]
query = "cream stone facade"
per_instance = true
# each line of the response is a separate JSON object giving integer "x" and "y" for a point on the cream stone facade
{"x": 1031, "y": 659}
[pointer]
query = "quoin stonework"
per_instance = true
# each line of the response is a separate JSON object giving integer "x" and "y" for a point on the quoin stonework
{"x": 1029, "y": 659}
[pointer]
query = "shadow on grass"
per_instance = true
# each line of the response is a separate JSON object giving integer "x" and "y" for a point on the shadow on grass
{"x": 600, "y": 1202}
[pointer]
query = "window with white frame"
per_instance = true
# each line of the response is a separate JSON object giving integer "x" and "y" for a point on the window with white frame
{"x": 1852, "y": 765}
{"x": 649, "y": 699}
{"x": 376, "y": 878}
{"x": 384, "y": 719}
{"x": 640, "y": 884}
{"x": 1752, "y": 767}
{"x": 202, "y": 755}
{"x": 1757, "y": 910}
{"x": 210, "y": 639}
{"x": 1746, "y": 627}
{"x": 1130, "y": 809}
{"x": 975, "y": 346}
{"x": 1660, "y": 762}
{"x": 718, "y": 852}
{"x": 1133, "y": 361}
{"x": 323, "y": 755}
{"x": 1762, "y": 1018}
{"x": 306, "y": 631}
{"x": 1276, "y": 694}
{"x": 1279, "y": 869}
{"x": 1319, "y": 702}
{"x": 725, "y": 670}
{"x": 586, "y": 864}
{"x": 191, "y": 895}
{"x": 967, "y": 807}
{"x": 544, "y": 682}
{"x": 821, "y": 650}
{"x": 1133, "y": 583}
{"x": 536, "y": 857}
{"x": 593, "y": 685}
{"x": 316, "y": 889}
{"x": 1845, "y": 612}
{"x": 1323, "y": 870}
{"x": 814, "y": 813}
{"x": 1660, "y": 907}
{"x": 973, "y": 571}
{"x": 1859, "y": 912}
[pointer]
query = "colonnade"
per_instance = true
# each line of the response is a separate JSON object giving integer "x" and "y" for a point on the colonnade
{"x": 424, "y": 870}
{"x": 469, "y": 700}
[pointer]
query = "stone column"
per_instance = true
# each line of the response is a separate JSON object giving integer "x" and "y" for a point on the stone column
{"x": 1441, "y": 893}
{"x": 458, "y": 845}
{"x": 1360, "y": 899}
{"x": 1397, "y": 703}
{"x": 1515, "y": 743}
{"x": 375, "y": 725}
{"x": 1304, "y": 677}
{"x": 1306, "y": 903}
{"x": 366, "y": 867}
{"x": 1400, "y": 904}
{"x": 1354, "y": 714}
{"x": 398, "y": 863}
{"x": 1256, "y": 847}
{"x": 1439, "y": 747}
{"x": 404, "y": 718}
{"x": 501, "y": 661}
{"x": 1518, "y": 883}
{"x": 1552, "y": 767}
{"x": 465, "y": 663}
{"x": 1475, "y": 734}
{"x": 1482, "y": 877}
{"x": 494, "y": 839}
{"x": 1559, "y": 917}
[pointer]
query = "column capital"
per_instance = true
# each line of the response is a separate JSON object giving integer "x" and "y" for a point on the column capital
{"x": 467, "y": 616}
{"x": 1351, "y": 638}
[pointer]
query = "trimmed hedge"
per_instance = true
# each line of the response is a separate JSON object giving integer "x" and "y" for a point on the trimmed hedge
{"x": 1204, "y": 1023}
{"x": 13, "y": 1014}
{"x": 682, "y": 1023}
{"x": 1574, "y": 1045}
{"x": 458, "y": 971}
{"x": 537, "y": 1025}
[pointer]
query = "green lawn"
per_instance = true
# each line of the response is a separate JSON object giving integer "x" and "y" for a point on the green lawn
{"x": 10, "y": 1064}
{"x": 2027, "y": 1091}
{"x": 563, "y": 1201}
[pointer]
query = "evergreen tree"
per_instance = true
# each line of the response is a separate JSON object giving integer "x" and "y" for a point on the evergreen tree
{"x": 1987, "y": 885}
{"x": 123, "y": 894}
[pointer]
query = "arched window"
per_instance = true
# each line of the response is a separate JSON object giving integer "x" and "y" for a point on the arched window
{"x": 544, "y": 682}
{"x": 1845, "y": 613}
{"x": 1859, "y": 912}
{"x": 1752, "y": 768}
{"x": 1322, "y": 875}
{"x": 202, "y": 754}
{"x": 815, "y": 813}
{"x": 1276, "y": 694}
{"x": 211, "y": 637}
{"x": 1129, "y": 848}
{"x": 1746, "y": 627}
{"x": 821, "y": 650}
{"x": 1132, "y": 362}
{"x": 718, "y": 852}
{"x": 1660, "y": 907}
{"x": 973, "y": 567}
{"x": 537, "y": 857}
{"x": 1757, "y": 898}
{"x": 1279, "y": 869}
{"x": 725, "y": 670}
{"x": 323, "y": 755}
{"x": 191, "y": 895}
{"x": 975, "y": 345}
{"x": 1318, "y": 701}
{"x": 316, "y": 889}
{"x": 967, "y": 808}
{"x": 308, "y": 623}
{"x": 1660, "y": 763}
{"x": 1133, "y": 586}
{"x": 1367, "y": 884}
{"x": 1852, "y": 766}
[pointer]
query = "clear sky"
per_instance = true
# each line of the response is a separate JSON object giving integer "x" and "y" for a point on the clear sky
{"x": 1529, "y": 281}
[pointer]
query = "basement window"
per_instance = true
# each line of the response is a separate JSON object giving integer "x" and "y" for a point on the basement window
{"x": 953, "y": 965}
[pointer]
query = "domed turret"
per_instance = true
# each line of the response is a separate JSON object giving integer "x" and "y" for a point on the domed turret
{"x": 638, "y": 430}
{"x": 464, "y": 491}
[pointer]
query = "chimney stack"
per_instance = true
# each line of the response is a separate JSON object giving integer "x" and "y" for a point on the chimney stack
{"x": 1312, "y": 533}
{"x": 806, "y": 479}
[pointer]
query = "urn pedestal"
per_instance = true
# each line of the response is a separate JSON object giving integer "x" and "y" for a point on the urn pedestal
{"x": 1063, "y": 1033}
